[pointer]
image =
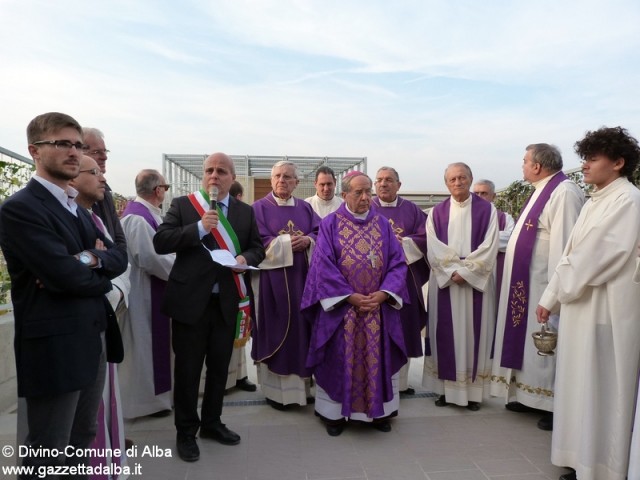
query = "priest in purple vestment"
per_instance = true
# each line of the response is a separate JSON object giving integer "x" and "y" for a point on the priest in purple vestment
{"x": 462, "y": 234}
{"x": 288, "y": 227}
{"x": 145, "y": 373}
{"x": 355, "y": 289}
{"x": 408, "y": 222}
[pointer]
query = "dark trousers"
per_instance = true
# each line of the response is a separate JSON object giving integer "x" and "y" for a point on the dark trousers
{"x": 56, "y": 421}
{"x": 210, "y": 340}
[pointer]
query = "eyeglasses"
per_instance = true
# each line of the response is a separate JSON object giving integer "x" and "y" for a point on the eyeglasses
{"x": 62, "y": 144}
{"x": 95, "y": 152}
{"x": 166, "y": 187}
{"x": 93, "y": 171}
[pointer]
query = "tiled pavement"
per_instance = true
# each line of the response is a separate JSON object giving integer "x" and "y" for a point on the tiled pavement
{"x": 426, "y": 443}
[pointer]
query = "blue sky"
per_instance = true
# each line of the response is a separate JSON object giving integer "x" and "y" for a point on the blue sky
{"x": 411, "y": 84}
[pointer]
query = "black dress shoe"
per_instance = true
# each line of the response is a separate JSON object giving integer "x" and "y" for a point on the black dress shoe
{"x": 408, "y": 391}
{"x": 569, "y": 475}
{"x": 335, "y": 428}
{"x": 277, "y": 406}
{"x": 442, "y": 401}
{"x": 473, "y": 406}
{"x": 546, "y": 422}
{"x": 382, "y": 425}
{"x": 187, "y": 447}
{"x": 221, "y": 434}
{"x": 246, "y": 385}
{"x": 519, "y": 407}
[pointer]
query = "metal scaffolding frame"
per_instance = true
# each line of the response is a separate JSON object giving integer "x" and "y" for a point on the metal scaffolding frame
{"x": 184, "y": 171}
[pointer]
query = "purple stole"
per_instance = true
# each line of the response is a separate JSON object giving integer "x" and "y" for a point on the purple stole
{"x": 515, "y": 327}
{"x": 113, "y": 433}
{"x": 160, "y": 323}
{"x": 480, "y": 220}
{"x": 502, "y": 223}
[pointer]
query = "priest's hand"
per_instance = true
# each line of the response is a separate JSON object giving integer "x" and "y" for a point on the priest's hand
{"x": 542, "y": 314}
{"x": 367, "y": 303}
{"x": 458, "y": 279}
{"x": 299, "y": 243}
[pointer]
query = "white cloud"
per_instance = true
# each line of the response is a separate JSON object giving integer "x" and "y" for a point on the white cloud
{"x": 412, "y": 84}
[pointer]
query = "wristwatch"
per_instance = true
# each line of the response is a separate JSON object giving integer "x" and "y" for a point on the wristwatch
{"x": 85, "y": 258}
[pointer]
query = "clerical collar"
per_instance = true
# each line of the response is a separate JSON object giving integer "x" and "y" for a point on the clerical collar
{"x": 598, "y": 194}
{"x": 462, "y": 204}
{"x": 359, "y": 216}
{"x": 323, "y": 201}
{"x": 541, "y": 183}
{"x": 152, "y": 208}
{"x": 388, "y": 204}
{"x": 290, "y": 202}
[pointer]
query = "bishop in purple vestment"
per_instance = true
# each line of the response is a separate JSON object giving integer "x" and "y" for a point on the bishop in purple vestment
{"x": 355, "y": 289}
{"x": 288, "y": 227}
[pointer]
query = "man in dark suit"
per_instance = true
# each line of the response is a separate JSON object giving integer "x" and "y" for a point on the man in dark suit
{"x": 60, "y": 268}
{"x": 202, "y": 298}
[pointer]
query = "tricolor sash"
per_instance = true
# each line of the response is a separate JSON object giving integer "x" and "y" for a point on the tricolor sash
{"x": 480, "y": 220}
{"x": 228, "y": 240}
{"x": 515, "y": 328}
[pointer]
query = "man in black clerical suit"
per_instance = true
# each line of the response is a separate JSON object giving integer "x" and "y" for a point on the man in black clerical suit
{"x": 60, "y": 267}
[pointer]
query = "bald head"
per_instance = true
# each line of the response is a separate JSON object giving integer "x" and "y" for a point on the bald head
{"x": 90, "y": 182}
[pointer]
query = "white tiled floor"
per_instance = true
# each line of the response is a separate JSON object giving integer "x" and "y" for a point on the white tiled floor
{"x": 426, "y": 443}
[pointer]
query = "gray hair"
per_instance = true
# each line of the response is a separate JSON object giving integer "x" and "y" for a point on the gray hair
{"x": 146, "y": 182}
{"x": 458, "y": 164}
{"x": 547, "y": 156}
{"x": 92, "y": 131}
{"x": 488, "y": 183}
{"x": 286, "y": 163}
{"x": 348, "y": 178}
{"x": 390, "y": 169}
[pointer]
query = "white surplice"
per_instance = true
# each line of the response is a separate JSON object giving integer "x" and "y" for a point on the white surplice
{"x": 634, "y": 452}
{"x": 324, "y": 207}
{"x": 598, "y": 339}
{"x": 477, "y": 269}
{"x": 533, "y": 384}
{"x": 136, "y": 371}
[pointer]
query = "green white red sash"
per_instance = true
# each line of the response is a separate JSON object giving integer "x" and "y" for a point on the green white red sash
{"x": 228, "y": 240}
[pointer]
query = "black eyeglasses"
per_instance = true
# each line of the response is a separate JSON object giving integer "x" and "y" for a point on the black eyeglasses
{"x": 93, "y": 171}
{"x": 62, "y": 144}
{"x": 166, "y": 187}
{"x": 95, "y": 152}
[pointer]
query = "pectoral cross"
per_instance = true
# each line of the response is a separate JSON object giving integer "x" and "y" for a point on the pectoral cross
{"x": 373, "y": 258}
{"x": 528, "y": 224}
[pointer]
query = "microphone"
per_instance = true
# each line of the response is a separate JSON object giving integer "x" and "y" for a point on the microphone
{"x": 213, "y": 196}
